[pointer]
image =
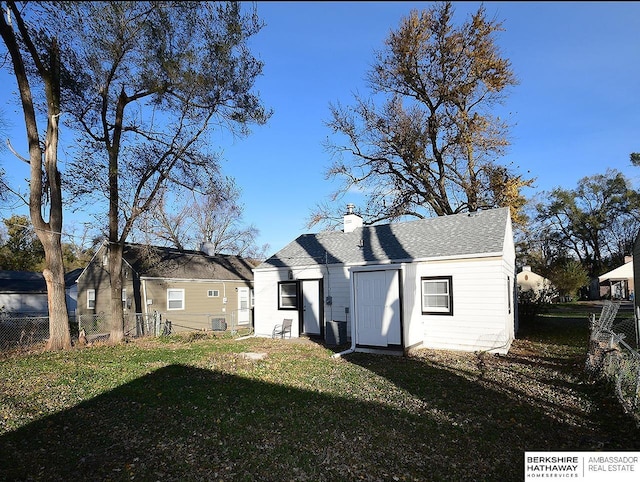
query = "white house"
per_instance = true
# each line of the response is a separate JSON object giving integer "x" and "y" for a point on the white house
{"x": 445, "y": 283}
{"x": 618, "y": 283}
{"x": 530, "y": 281}
{"x": 25, "y": 292}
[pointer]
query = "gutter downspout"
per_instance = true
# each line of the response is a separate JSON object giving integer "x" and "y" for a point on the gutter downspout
{"x": 144, "y": 296}
{"x": 353, "y": 341}
{"x": 347, "y": 351}
{"x": 353, "y": 325}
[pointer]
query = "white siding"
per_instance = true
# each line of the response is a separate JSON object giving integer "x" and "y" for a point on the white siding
{"x": 480, "y": 319}
{"x": 335, "y": 284}
{"x": 24, "y": 303}
{"x": 265, "y": 295}
{"x": 413, "y": 331}
{"x": 509, "y": 269}
{"x": 483, "y": 318}
{"x": 530, "y": 281}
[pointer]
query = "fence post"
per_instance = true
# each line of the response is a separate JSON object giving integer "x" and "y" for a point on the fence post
{"x": 637, "y": 325}
{"x": 637, "y": 391}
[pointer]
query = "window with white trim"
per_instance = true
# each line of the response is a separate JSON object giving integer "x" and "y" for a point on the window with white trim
{"x": 175, "y": 299}
{"x": 288, "y": 295}
{"x": 91, "y": 299}
{"x": 437, "y": 295}
{"x": 213, "y": 293}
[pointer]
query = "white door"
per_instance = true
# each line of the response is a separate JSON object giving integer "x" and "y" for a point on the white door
{"x": 311, "y": 307}
{"x": 243, "y": 306}
{"x": 377, "y": 308}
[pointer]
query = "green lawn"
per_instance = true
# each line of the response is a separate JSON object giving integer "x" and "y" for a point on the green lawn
{"x": 196, "y": 409}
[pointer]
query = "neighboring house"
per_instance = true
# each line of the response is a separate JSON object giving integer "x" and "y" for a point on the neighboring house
{"x": 26, "y": 292}
{"x": 70, "y": 281}
{"x": 193, "y": 289}
{"x": 618, "y": 284}
{"x": 444, "y": 283}
{"x": 529, "y": 281}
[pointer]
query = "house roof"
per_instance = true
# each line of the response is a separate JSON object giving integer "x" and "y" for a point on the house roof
{"x": 621, "y": 272}
{"x": 456, "y": 235}
{"x": 72, "y": 276}
{"x": 162, "y": 262}
{"x": 526, "y": 272}
{"x": 31, "y": 282}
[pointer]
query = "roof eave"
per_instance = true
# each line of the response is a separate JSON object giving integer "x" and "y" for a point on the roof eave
{"x": 493, "y": 254}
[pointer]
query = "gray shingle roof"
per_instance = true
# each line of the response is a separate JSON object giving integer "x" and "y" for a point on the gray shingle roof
{"x": 30, "y": 282}
{"x": 22, "y": 282}
{"x": 445, "y": 236}
{"x": 160, "y": 262}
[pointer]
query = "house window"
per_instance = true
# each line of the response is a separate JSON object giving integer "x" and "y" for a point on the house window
{"x": 91, "y": 299}
{"x": 437, "y": 296}
{"x": 213, "y": 293}
{"x": 288, "y": 295}
{"x": 175, "y": 299}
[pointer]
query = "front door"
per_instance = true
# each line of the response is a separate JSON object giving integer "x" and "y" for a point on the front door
{"x": 311, "y": 307}
{"x": 377, "y": 308}
{"x": 243, "y": 306}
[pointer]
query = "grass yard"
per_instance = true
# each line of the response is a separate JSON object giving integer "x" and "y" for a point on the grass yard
{"x": 196, "y": 409}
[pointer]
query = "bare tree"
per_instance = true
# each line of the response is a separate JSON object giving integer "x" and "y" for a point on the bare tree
{"x": 215, "y": 218}
{"x": 168, "y": 223}
{"x": 432, "y": 146}
{"x": 219, "y": 221}
{"x": 154, "y": 81}
{"x": 35, "y": 59}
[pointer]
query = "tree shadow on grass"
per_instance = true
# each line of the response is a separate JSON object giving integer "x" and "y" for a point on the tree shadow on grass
{"x": 186, "y": 423}
{"x": 497, "y": 419}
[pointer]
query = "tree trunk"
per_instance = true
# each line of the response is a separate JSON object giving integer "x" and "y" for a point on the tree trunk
{"x": 116, "y": 245}
{"x": 59, "y": 333}
{"x": 50, "y": 232}
{"x": 115, "y": 278}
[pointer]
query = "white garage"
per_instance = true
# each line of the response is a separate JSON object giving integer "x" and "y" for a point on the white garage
{"x": 445, "y": 282}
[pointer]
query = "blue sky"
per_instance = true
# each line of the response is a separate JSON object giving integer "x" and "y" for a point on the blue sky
{"x": 576, "y": 110}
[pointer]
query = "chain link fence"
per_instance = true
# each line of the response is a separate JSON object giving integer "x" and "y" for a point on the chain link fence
{"x": 96, "y": 327}
{"x": 23, "y": 330}
{"x": 26, "y": 330}
{"x": 613, "y": 354}
{"x": 235, "y": 323}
